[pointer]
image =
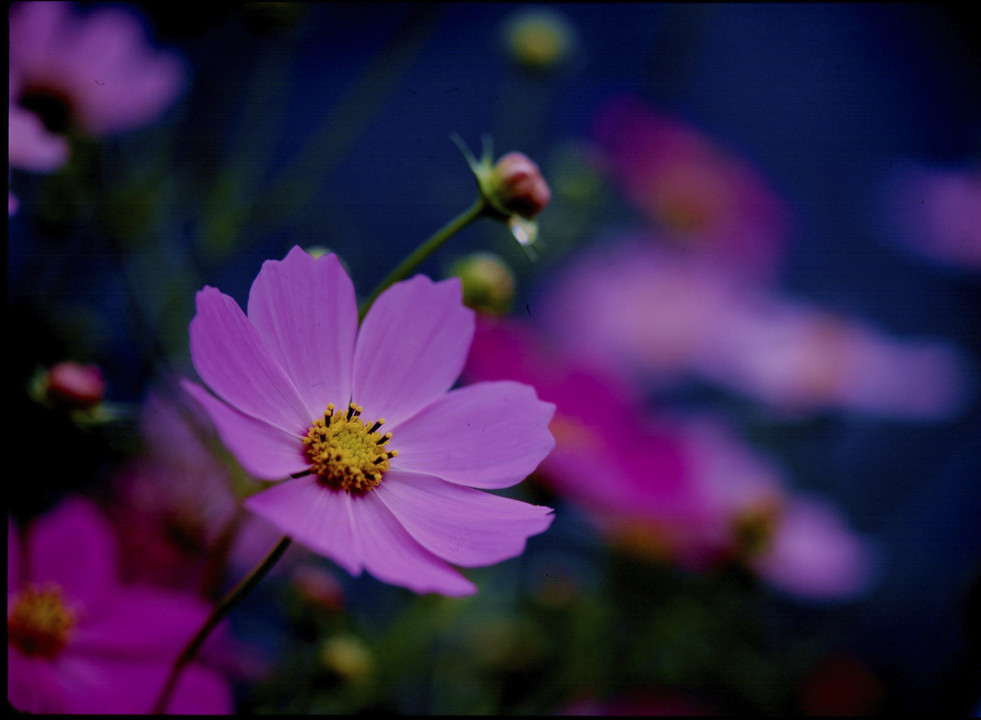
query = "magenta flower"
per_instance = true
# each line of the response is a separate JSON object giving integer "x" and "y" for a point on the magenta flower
{"x": 685, "y": 491}
{"x": 384, "y": 461}
{"x": 80, "y": 642}
{"x": 697, "y": 195}
{"x": 612, "y": 458}
{"x": 93, "y": 71}
{"x": 174, "y": 503}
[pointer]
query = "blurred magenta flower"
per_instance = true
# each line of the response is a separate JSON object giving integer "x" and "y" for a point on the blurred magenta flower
{"x": 650, "y": 311}
{"x": 682, "y": 490}
{"x": 294, "y": 378}
{"x": 698, "y": 196}
{"x": 78, "y": 641}
{"x": 175, "y": 507}
{"x": 936, "y": 212}
{"x": 92, "y": 71}
{"x": 617, "y": 477}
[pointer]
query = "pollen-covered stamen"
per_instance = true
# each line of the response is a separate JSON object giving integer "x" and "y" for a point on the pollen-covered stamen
{"x": 346, "y": 453}
{"x": 41, "y": 621}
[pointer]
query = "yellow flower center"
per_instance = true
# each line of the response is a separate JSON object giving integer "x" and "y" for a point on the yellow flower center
{"x": 347, "y": 454}
{"x": 755, "y": 527}
{"x": 41, "y": 621}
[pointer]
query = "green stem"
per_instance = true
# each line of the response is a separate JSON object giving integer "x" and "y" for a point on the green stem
{"x": 427, "y": 248}
{"x": 225, "y": 606}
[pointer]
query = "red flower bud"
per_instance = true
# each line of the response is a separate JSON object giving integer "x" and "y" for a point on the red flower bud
{"x": 516, "y": 185}
{"x": 75, "y": 385}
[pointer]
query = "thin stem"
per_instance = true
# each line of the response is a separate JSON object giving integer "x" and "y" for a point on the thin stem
{"x": 224, "y": 606}
{"x": 427, "y": 248}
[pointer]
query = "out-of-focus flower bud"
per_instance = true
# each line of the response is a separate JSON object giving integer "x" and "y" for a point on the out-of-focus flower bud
{"x": 539, "y": 39}
{"x": 348, "y": 657}
{"x": 516, "y": 185}
{"x": 318, "y": 588}
{"x": 77, "y": 386}
{"x": 488, "y": 283}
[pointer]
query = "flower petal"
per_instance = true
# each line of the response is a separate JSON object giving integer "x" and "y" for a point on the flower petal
{"x": 101, "y": 686}
{"x": 262, "y": 449}
{"x": 356, "y": 533}
{"x": 816, "y": 555}
{"x": 411, "y": 348}
{"x": 459, "y": 524}
{"x": 141, "y": 624}
{"x": 230, "y": 357}
{"x": 32, "y": 684}
{"x": 306, "y": 313}
{"x": 74, "y": 547}
{"x": 391, "y": 554}
{"x": 487, "y": 435}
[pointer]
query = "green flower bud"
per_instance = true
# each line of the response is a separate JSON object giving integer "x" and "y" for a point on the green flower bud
{"x": 488, "y": 283}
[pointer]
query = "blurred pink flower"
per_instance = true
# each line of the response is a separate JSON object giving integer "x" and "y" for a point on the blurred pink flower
{"x": 796, "y": 543}
{"x": 798, "y": 357}
{"x": 936, "y": 212}
{"x": 699, "y": 197}
{"x": 293, "y": 379}
{"x": 174, "y": 506}
{"x": 29, "y": 145}
{"x": 650, "y": 311}
{"x": 611, "y": 458}
{"x": 683, "y": 490}
{"x": 95, "y": 69}
{"x": 80, "y": 642}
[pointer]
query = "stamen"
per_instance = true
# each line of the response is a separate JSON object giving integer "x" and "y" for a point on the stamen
{"x": 40, "y": 622}
{"x": 346, "y": 453}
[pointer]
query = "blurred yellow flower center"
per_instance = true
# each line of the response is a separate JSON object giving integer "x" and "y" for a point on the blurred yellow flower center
{"x": 754, "y": 528}
{"x": 40, "y": 621}
{"x": 347, "y": 454}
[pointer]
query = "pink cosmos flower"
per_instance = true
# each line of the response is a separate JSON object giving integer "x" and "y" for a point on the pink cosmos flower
{"x": 936, "y": 212}
{"x": 80, "y": 642}
{"x": 797, "y": 543}
{"x": 95, "y": 71}
{"x": 637, "y": 308}
{"x": 383, "y": 460}
{"x": 688, "y": 491}
{"x": 699, "y": 197}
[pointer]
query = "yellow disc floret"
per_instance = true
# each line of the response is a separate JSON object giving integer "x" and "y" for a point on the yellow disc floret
{"x": 40, "y": 621}
{"x": 347, "y": 454}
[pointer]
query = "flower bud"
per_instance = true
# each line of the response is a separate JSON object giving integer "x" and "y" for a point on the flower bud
{"x": 539, "y": 39}
{"x": 318, "y": 588}
{"x": 516, "y": 185}
{"x": 488, "y": 283}
{"x": 77, "y": 386}
{"x": 348, "y": 657}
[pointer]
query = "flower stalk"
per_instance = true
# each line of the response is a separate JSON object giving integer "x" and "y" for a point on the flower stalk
{"x": 224, "y": 606}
